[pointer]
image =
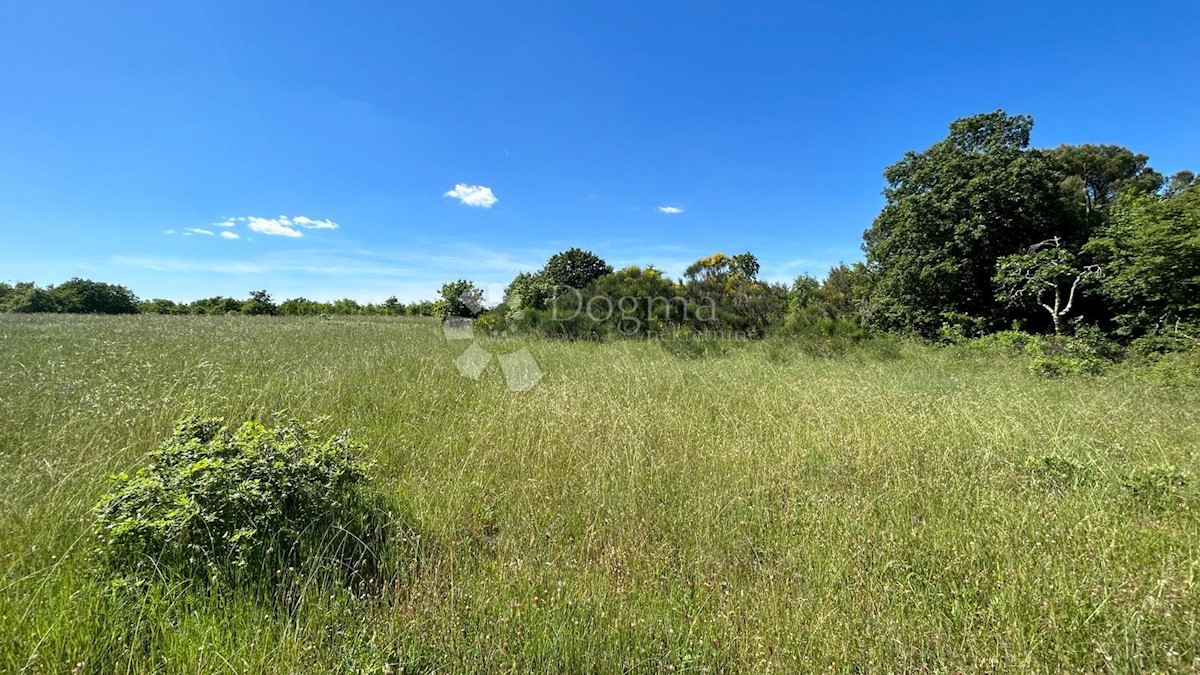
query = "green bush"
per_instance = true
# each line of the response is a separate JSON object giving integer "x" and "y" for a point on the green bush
{"x": 243, "y": 504}
{"x": 1158, "y": 487}
{"x": 1059, "y": 356}
{"x": 1005, "y": 342}
{"x": 1179, "y": 369}
{"x": 1058, "y": 471}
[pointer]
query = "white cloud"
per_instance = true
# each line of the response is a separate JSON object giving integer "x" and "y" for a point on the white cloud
{"x": 473, "y": 195}
{"x": 281, "y": 226}
{"x": 169, "y": 232}
{"x": 284, "y": 226}
{"x": 228, "y": 222}
{"x": 229, "y": 235}
{"x": 670, "y": 210}
{"x": 314, "y": 224}
{"x": 197, "y": 230}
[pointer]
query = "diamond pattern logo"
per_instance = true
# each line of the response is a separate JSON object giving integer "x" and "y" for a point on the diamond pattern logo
{"x": 458, "y": 328}
{"x": 473, "y": 362}
{"x": 520, "y": 369}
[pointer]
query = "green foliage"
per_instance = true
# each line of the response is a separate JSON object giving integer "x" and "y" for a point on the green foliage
{"x": 75, "y": 296}
{"x": 804, "y": 293}
{"x": 720, "y": 268}
{"x": 247, "y": 502}
{"x": 528, "y": 291}
{"x": 1059, "y": 472}
{"x": 161, "y": 306}
{"x": 259, "y": 303}
{"x": 1158, "y": 487}
{"x": 461, "y": 298}
{"x": 1177, "y": 369}
{"x": 1047, "y": 275}
{"x": 82, "y": 296}
{"x": 574, "y": 268}
{"x": 495, "y": 321}
{"x": 1005, "y": 342}
{"x": 1150, "y": 249}
{"x": 1061, "y": 356}
{"x": 951, "y": 212}
{"x": 1096, "y": 175}
{"x": 215, "y": 305}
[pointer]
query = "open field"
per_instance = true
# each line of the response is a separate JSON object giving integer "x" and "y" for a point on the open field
{"x": 755, "y": 510}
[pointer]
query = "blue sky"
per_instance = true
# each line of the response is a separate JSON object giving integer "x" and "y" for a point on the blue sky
{"x": 125, "y": 125}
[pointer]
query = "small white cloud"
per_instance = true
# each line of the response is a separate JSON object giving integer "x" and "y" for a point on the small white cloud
{"x": 199, "y": 230}
{"x": 281, "y": 226}
{"x": 311, "y": 224}
{"x": 170, "y": 232}
{"x": 473, "y": 195}
{"x": 229, "y": 235}
{"x": 670, "y": 210}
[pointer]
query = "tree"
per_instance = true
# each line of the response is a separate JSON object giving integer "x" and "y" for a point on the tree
{"x": 727, "y": 297}
{"x": 528, "y": 291}
{"x": 841, "y": 290}
{"x": 721, "y": 268}
{"x": 26, "y": 298}
{"x": 574, "y": 268}
{"x": 1150, "y": 249}
{"x": 161, "y": 306}
{"x": 215, "y": 305}
{"x": 1180, "y": 182}
{"x": 259, "y": 303}
{"x": 951, "y": 212}
{"x": 1097, "y": 174}
{"x": 83, "y": 296}
{"x": 805, "y": 292}
{"x": 462, "y": 298}
{"x": 746, "y": 265}
{"x": 1048, "y": 275}
{"x": 393, "y": 306}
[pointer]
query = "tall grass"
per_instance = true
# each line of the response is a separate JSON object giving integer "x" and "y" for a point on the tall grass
{"x": 644, "y": 509}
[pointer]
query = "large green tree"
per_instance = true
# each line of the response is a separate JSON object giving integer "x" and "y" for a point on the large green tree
{"x": 461, "y": 298}
{"x": 1150, "y": 250}
{"x": 952, "y": 211}
{"x": 1095, "y": 175}
{"x": 83, "y": 296}
{"x": 575, "y": 268}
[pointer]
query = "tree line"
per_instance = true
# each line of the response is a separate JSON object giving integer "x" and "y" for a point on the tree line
{"x": 979, "y": 233}
{"x": 83, "y": 296}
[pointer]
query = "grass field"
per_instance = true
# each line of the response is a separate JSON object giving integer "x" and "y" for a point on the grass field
{"x": 753, "y": 509}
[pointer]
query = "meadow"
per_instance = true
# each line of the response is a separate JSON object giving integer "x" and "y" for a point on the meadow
{"x": 646, "y": 508}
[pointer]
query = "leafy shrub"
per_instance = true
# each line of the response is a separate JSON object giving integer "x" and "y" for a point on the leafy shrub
{"x": 1005, "y": 342}
{"x": 1150, "y": 347}
{"x": 1158, "y": 487}
{"x": 243, "y": 503}
{"x": 821, "y": 336}
{"x": 1058, "y": 356}
{"x": 958, "y": 327}
{"x": 1058, "y": 471}
{"x": 1179, "y": 369}
{"x": 493, "y": 321}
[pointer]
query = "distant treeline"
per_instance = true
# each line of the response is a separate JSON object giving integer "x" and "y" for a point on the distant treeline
{"x": 83, "y": 296}
{"x": 979, "y": 234}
